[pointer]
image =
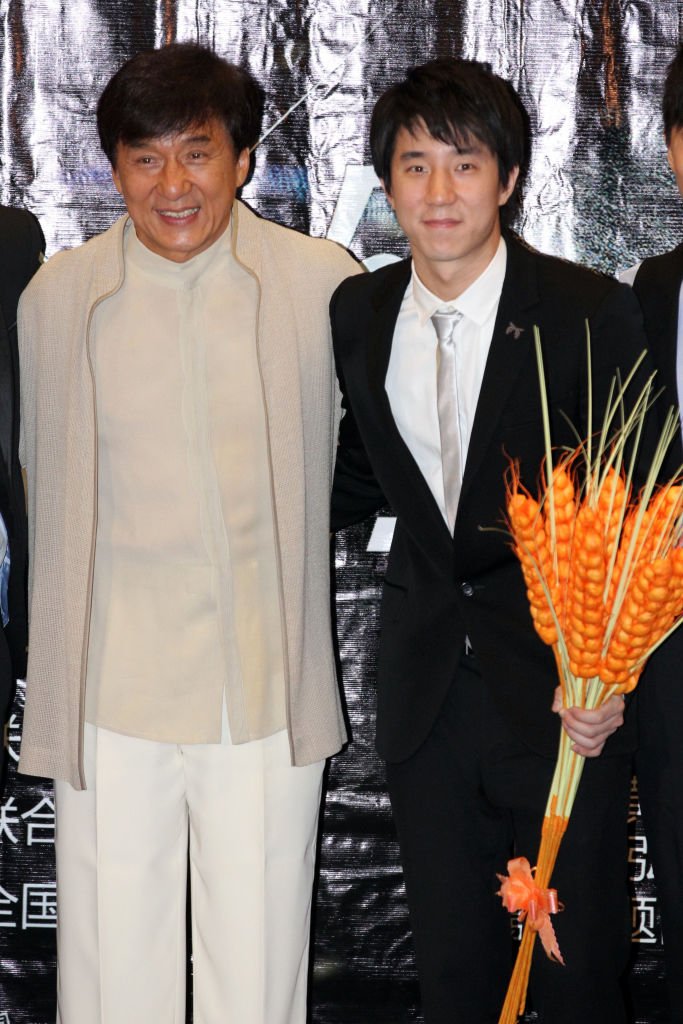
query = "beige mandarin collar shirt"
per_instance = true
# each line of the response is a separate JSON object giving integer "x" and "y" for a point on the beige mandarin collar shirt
{"x": 186, "y": 608}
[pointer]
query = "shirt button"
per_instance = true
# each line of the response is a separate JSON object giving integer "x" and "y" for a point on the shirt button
{"x": 467, "y": 589}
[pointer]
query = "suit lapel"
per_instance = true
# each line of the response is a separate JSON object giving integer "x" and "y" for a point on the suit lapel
{"x": 510, "y": 355}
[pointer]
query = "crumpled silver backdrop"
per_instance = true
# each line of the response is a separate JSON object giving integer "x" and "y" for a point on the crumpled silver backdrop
{"x": 598, "y": 191}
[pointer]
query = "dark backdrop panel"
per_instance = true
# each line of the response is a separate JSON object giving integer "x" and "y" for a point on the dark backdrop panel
{"x": 598, "y": 191}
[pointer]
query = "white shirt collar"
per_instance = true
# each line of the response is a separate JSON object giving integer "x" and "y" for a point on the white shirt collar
{"x": 476, "y": 302}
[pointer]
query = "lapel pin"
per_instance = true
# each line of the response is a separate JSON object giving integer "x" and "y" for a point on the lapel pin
{"x": 514, "y": 329}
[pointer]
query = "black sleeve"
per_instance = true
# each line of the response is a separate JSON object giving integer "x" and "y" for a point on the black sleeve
{"x": 21, "y": 253}
{"x": 618, "y": 340}
{"x": 355, "y": 491}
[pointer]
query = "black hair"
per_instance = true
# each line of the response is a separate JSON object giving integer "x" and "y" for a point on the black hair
{"x": 166, "y": 91}
{"x": 672, "y": 101}
{"x": 457, "y": 101}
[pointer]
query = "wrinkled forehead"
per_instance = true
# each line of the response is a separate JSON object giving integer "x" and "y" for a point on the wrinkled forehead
{"x": 211, "y": 133}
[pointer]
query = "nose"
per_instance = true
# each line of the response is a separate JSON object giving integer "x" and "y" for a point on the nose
{"x": 172, "y": 181}
{"x": 441, "y": 186}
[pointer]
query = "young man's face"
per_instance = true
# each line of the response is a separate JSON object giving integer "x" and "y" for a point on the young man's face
{"x": 179, "y": 189}
{"x": 447, "y": 201}
{"x": 675, "y": 155}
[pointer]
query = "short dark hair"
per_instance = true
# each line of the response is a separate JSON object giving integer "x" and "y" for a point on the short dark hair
{"x": 166, "y": 91}
{"x": 672, "y": 101}
{"x": 457, "y": 101}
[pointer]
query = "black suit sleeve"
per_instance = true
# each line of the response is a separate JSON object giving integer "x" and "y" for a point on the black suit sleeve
{"x": 657, "y": 287}
{"x": 355, "y": 491}
{"x": 620, "y": 335}
{"x": 21, "y": 251}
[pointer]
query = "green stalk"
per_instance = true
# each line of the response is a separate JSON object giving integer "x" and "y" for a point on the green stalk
{"x": 548, "y": 447}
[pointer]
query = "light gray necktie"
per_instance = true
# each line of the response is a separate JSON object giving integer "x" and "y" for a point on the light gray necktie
{"x": 447, "y": 407}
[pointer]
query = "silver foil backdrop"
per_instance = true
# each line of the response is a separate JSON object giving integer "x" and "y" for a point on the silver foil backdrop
{"x": 598, "y": 191}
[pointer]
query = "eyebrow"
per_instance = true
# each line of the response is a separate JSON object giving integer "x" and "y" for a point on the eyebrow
{"x": 191, "y": 140}
{"x": 420, "y": 154}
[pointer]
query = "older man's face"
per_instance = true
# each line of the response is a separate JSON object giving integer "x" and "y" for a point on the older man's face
{"x": 179, "y": 189}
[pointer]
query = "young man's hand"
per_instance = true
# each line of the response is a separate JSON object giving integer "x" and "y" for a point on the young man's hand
{"x": 590, "y": 729}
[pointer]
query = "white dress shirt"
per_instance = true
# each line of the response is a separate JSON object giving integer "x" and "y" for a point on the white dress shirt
{"x": 411, "y": 375}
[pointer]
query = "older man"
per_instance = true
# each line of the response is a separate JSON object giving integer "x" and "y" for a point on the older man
{"x": 179, "y": 432}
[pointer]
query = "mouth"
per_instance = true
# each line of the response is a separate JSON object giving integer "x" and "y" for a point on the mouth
{"x": 179, "y": 216}
{"x": 442, "y": 223}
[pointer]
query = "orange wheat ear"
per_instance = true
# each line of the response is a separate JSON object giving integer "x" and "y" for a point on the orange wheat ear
{"x": 646, "y": 613}
{"x": 613, "y": 498}
{"x": 533, "y": 551}
{"x": 586, "y": 614}
{"x": 560, "y": 516}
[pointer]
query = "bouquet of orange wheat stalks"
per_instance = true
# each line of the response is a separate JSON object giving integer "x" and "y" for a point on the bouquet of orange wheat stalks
{"x": 604, "y": 577}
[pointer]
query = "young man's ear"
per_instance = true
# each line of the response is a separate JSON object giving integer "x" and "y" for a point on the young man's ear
{"x": 507, "y": 190}
{"x": 387, "y": 193}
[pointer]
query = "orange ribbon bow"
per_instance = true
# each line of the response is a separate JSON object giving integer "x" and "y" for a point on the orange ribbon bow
{"x": 519, "y": 892}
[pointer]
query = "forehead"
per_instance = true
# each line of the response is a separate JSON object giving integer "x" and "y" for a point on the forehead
{"x": 208, "y": 133}
{"x": 418, "y": 139}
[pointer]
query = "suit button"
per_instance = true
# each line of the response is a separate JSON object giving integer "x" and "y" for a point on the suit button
{"x": 467, "y": 589}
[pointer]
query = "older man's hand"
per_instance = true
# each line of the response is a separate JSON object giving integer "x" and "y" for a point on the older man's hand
{"x": 590, "y": 729}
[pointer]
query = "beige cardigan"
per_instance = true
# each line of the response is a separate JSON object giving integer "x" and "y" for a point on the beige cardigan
{"x": 296, "y": 276}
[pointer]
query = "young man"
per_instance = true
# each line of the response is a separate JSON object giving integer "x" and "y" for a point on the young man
{"x": 659, "y": 760}
{"x": 179, "y": 405}
{"x": 465, "y": 687}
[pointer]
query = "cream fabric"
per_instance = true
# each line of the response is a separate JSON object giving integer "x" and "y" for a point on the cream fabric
{"x": 121, "y": 851}
{"x": 185, "y": 591}
{"x": 296, "y": 276}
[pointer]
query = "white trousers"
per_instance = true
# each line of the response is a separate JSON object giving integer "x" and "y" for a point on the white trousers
{"x": 249, "y": 820}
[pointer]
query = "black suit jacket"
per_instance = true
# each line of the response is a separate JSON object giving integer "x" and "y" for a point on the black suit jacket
{"x": 21, "y": 248}
{"x": 440, "y": 589}
{"x": 657, "y": 286}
